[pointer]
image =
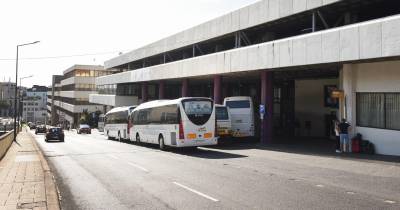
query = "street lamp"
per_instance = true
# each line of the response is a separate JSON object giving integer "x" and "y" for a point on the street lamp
{"x": 16, "y": 88}
{"x": 20, "y": 111}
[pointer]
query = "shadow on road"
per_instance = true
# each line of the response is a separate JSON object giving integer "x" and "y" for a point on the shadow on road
{"x": 315, "y": 147}
{"x": 204, "y": 153}
{"x": 193, "y": 152}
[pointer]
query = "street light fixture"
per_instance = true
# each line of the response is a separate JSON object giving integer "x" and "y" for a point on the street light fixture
{"x": 16, "y": 88}
{"x": 19, "y": 110}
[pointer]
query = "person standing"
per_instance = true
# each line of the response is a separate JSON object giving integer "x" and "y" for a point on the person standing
{"x": 344, "y": 127}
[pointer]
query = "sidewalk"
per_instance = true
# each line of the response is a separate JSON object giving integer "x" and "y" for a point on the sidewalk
{"x": 25, "y": 178}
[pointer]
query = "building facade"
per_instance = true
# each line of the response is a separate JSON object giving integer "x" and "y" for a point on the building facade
{"x": 288, "y": 55}
{"x": 69, "y": 94}
{"x": 7, "y": 95}
{"x": 34, "y": 104}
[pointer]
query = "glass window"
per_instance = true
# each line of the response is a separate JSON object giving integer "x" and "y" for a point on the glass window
{"x": 370, "y": 110}
{"x": 196, "y": 107}
{"x": 392, "y": 107}
{"x": 198, "y": 110}
{"x": 378, "y": 110}
{"x": 222, "y": 113}
{"x": 238, "y": 104}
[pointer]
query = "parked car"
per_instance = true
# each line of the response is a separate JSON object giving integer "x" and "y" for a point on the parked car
{"x": 40, "y": 129}
{"x": 55, "y": 133}
{"x": 84, "y": 129}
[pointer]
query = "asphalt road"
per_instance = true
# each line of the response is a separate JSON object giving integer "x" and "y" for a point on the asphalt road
{"x": 95, "y": 173}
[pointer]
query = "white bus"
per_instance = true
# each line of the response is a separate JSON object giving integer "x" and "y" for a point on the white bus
{"x": 116, "y": 123}
{"x": 242, "y": 115}
{"x": 100, "y": 123}
{"x": 184, "y": 122}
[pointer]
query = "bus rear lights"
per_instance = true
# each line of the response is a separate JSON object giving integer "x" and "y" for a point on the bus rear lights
{"x": 191, "y": 136}
{"x": 181, "y": 134}
{"x": 208, "y": 135}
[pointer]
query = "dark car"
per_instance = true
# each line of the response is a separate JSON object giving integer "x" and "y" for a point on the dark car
{"x": 32, "y": 126}
{"x": 84, "y": 129}
{"x": 40, "y": 129}
{"x": 55, "y": 133}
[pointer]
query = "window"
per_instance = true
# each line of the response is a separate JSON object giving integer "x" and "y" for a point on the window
{"x": 117, "y": 117}
{"x": 221, "y": 113}
{"x": 392, "y": 108}
{"x": 378, "y": 110}
{"x": 238, "y": 104}
{"x": 158, "y": 115}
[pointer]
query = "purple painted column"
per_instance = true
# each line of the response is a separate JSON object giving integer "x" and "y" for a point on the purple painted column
{"x": 185, "y": 88}
{"x": 144, "y": 92}
{"x": 161, "y": 90}
{"x": 217, "y": 89}
{"x": 267, "y": 100}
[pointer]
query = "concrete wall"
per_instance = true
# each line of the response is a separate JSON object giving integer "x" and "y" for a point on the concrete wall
{"x": 76, "y": 94}
{"x": 78, "y": 108}
{"x": 246, "y": 17}
{"x": 374, "y": 39}
{"x": 113, "y": 100}
{"x": 5, "y": 143}
{"x": 309, "y": 104}
{"x": 78, "y": 80}
{"x": 373, "y": 77}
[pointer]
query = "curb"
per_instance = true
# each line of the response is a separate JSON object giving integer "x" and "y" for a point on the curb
{"x": 52, "y": 194}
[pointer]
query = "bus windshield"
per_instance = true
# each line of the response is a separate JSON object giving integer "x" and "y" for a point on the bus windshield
{"x": 222, "y": 113}
{"x": 198, "y": 110}
{"x": 243, "y": 104}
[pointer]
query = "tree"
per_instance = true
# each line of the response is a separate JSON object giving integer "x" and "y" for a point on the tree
{"x": 84, "y": 117}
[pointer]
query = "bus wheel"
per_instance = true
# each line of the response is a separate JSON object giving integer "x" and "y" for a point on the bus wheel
{"x": 161, "y": 143}
{"x": 137, "y": 139}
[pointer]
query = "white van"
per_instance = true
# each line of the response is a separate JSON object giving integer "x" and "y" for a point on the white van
{"x": 224, "y": 124}
{"x": 242, "y": 115}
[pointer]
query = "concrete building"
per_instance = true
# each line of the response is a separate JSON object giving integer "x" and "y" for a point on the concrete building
{"x": 34, "y": 104}
{"x": 289, "y": 55}
{"x": 68, "y": 97}
{"x": 7, "y": 95}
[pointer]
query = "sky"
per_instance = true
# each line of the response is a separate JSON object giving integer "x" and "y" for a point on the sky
{"x": 96, "y": 30}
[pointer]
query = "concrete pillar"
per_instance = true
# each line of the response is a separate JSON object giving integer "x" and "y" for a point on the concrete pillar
{"x": 144, "y": 92}
{"x": 267, "y": 101}
{"x": 185, "y": 88}
{"x": 217, "y": 89}
{"x": 348, "y": 103}
{"x": 161, "y": 90}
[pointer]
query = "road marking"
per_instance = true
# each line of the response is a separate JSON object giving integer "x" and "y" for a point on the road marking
{"x": 138, "y": 166}
{"x": 113, "y": 157}
{"x": 389, "y": 201}
{"x": 350, "y": 193}
{"x": 320, "y": 185}
{"x": 195, "y": 191}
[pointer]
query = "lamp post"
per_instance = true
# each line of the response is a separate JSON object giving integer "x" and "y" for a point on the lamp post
{"x": 16, "y": 89}
{"x": 20, "y": 97}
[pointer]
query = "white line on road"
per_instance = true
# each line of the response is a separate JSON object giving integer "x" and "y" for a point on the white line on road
{"x": 389, "y": 201}
{"x": 113, "y": 157}
{"x": 138, "y": 166}
{"x": 195, "y": 191}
